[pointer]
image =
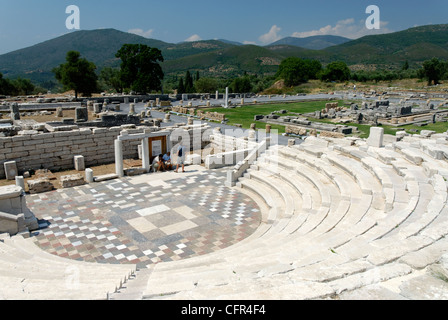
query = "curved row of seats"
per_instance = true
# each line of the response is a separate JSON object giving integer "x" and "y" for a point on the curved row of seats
{"x": 27, "y": 272}
{"x": 337, "y": 215}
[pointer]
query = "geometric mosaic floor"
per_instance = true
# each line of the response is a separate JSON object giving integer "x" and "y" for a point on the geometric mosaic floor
{"x": 144, "y": 220}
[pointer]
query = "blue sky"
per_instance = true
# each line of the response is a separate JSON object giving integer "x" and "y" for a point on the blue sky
{"x": 27, "y": 22}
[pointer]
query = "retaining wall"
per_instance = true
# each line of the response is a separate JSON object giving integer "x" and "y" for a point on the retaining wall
{"x": 55, "y": 151}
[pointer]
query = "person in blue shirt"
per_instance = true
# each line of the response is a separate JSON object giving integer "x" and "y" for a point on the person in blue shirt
{"x": 167, "y": 161}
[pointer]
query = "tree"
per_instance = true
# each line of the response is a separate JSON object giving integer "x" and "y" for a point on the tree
{"x": 181, "y": 87}
{"x": 433, "y": 70}
{"x": 77, "y": 74}
{"x": 241, "y": 85}
{"x": 206, "y": 85}
{"x": 189, "y": 86}
{"x": 140, "y": 68}
{"x": 405, "y": 66}
{"x": 336, "y": 71}
{"x": 293, "y": 71}
{"x": 24, "y": 86}
{"x": 111, "y": 78}
{"x": 6, "y": 87}
{"x": 313, "y": 68}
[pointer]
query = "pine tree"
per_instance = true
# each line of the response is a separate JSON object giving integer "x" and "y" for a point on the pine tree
{"x": 188, "y": 83}
{"x": 181, "y": 87}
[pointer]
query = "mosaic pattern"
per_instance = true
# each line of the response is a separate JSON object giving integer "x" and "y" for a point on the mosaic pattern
{"x": 130, "y": 221}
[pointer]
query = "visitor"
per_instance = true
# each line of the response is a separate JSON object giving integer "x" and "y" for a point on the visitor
{"x": 158, "y": 163}
{"x": 167, "y": 161}
{"x": 180, "y": 158}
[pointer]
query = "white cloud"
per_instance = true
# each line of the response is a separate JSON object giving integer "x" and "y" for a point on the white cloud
{"x": 271, "y": 36}
{"x": 193, "y": 38}
{"x": 249, "y": 42}
{"x": 141, "y": 32}
{"x": 348, "y": 28}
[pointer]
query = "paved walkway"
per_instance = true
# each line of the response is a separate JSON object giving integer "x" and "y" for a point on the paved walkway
{"x": 145, "y": 219}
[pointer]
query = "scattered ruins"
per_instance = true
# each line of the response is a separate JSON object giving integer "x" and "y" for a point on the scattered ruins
{"x": 341, "y": 217}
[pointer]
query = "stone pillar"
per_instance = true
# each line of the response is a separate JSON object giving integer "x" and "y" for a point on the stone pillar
{"x": 10, "y": 170}
{"x": 97, "y": 108}
{"x": 167, "y": 118}
{"x": 20, "y": 182}
{"x": 217, "y": 95}
{"x": 79, "y": 163}
{"x": 252, "y": 136}
{"x": 15, "y": 112}
{"x": 126, "y": 100}
{"x": 89, "y": 175}
{"x": 376, "y": 137}
{"x": 90, "y": 105}
{"x": 242, "y": 101}
{"x": 117, "y": 108}
{"x": 226, "y": 103}
{"x": 132, "y": 109}
{"x": 208, "y": 104}
{"x": 268, "y": 128}
{"x": 119, "y": 158}
{"x": 190, "y": 121}
{"x": 145, "y": 155}
{"x": 59, "y": 112}
{"x": 81, "y": 114}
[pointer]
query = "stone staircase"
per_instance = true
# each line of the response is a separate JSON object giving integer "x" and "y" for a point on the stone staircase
{"x": 29, "y": 273}
{"x": 339, "y": 217}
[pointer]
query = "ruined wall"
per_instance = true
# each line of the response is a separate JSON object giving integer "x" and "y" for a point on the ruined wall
{"x": 55, "y": 151}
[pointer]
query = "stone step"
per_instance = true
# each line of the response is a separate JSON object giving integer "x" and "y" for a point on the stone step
{"x": 275, "y": 204}
{"x": 286, "y": 194}
{"x": 366, "y": 181}
{"x": 20, "y": 288}
{"x": 319, "y": 181}
{"x": 425, "y": 256}
{"x": 21, "y": 258}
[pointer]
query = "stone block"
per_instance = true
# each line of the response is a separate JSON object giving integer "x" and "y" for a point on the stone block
{"x": 10, "y": 170}
{"x": 194, "y": 159}
{"x": 79, "y": 163}
{"x": 376, "y": 137}
{"x": 40, "y": 185}
{"x": 73, "y": 180}
{"x": 81, "y": 114}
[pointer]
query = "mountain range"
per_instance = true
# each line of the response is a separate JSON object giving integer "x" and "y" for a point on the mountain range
{"x": 226, "y": 58}
{"x": 313, "y": 43}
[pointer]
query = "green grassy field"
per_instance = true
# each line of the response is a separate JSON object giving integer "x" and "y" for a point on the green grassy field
{"x": 245, "y": 116}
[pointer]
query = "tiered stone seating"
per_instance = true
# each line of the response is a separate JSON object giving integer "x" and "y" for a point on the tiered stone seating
{"x": 27, "y": 272}
{"x": 338, "y": 215}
